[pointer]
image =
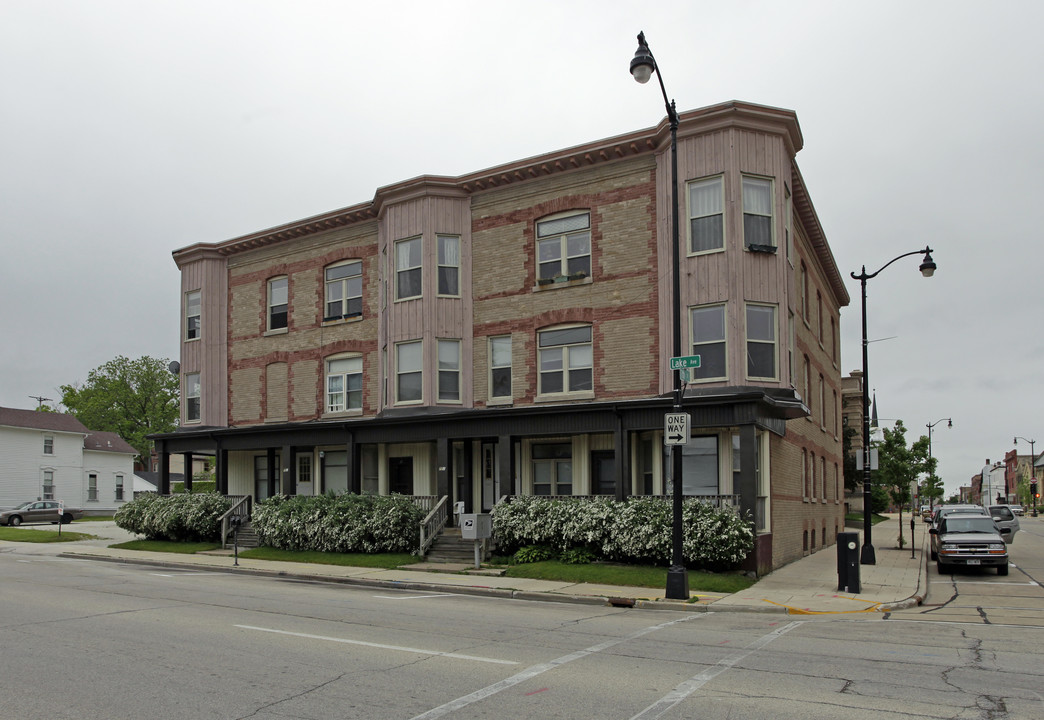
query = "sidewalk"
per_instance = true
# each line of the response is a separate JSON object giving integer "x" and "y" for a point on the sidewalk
{"x": 806, "y": 586}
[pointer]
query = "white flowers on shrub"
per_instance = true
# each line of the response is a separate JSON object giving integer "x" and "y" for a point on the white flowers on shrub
{"x": 192, "y": 517}
{"x": 636, "y": 530}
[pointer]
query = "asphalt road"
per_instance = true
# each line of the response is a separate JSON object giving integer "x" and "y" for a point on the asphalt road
{"x": 86, "y": 639}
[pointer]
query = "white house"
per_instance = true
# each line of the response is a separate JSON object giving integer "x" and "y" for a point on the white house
{"x": 51, "y": 456}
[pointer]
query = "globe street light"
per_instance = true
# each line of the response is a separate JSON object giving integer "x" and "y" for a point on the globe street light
{"x": 867, "y": 555}
{"x": 949, "y": 424}
{"x": 1033, "y": 468}
{"x": 642, "y": 67}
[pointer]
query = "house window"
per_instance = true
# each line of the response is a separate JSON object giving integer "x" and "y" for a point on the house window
{"x": 757, "y": 211}
{"x": 119, "y": 487}
{"x": 192, "y": 397}
{"x": 408, "y": 376}
{"x": 304, "y": 468}
{"x": 344, "y": 290}
{"x": 822, "y": 403}
{"x": 278, "y": 303}
{"x": 819, "y": 315}
{"x": 807, "y": 392}
{"x": 192, "y": 311}
{"x": 761, "y": 341}
{"x": 343, "y": 384}
{"x": 708, "y": 341}
{"x": 564, "y": 246}
{"x": 48, "y": 445}
{"x": 92, "y": 487}
{"x": 790, "y": 349}
{"x": 761, "y": 473}
{"x": 812, "y": 477}
{"x": 552, "y": 468}
{"x": 449, "y": 370}
{"x": 699, "y": 465}
{"x": 500, "y": 367}
{"x": 408, "y": 268}
{"x": 789, "y": 225}
{"x": 48, "y": 485}
{"x": 804, "y": 474}
{"x": 706, "y": 219}
{"x": 449, "y": 265}
{"x": 804, "y": 292}
{"x": 566, "y": 358}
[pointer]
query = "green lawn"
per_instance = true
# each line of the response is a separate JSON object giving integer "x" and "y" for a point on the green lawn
{"x": 377, "y": 560}
{"x": 632, "y": 575}
{"x": 24, "y": 534}
{"x": 185, "y": 548}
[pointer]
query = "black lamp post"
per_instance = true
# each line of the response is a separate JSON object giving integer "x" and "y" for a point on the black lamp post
{"x": 643, "y": 65}
{"x": 949, "y": 424}
{"x": 867, "y": 556}
{"x": 1033, "y": 468}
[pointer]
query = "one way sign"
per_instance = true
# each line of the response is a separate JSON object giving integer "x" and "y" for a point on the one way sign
{"x": 675, "y": 428}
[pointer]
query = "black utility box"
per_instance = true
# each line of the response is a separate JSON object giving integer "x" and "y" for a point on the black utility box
{"x": 848, "y": 562}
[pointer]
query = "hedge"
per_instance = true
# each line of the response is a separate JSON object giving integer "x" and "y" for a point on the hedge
{"x": 194, "y": 517}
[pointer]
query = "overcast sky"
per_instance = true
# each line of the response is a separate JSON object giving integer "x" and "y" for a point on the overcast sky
{"x": 130, "y": 129}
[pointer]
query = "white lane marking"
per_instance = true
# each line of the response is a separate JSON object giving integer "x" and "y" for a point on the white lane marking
{"x": 532, "y": 672}
{"x": 980, "y": 582}
{"x": 413, "y": 597}
{"x": 180, "y": 574}
{"x": 683, "y": 690}
{"x": 380, "y": 646}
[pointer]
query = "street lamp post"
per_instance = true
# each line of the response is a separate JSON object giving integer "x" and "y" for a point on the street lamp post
{"x": 1033, "y": 468}
{"x": 643, "y": 65}
{"x": 867, "y": 555}
{"x": 949, "y": 424}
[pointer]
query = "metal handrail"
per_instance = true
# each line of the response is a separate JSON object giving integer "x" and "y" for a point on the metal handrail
{"x": 237, "y": 506}
{"x": 432, "y": 525}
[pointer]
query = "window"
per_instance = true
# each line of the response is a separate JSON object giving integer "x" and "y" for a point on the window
{"x": 119, "y": 487}
{"x": 807, "y": 391}
{"x": 192, "y": 397}
{"x": 500, "y": 367}
{"x": 812, "y": 477}
{"x": 757, "y": 212}
{"x": 822, "y": 402}
{"x": 449, "y": 265}
{"x": 566, "y": 359}
{"x": 706, "y": 219}
{"x": 790, "y": 350}
{"x": 761, "y": 341}
{"x": 553, "y": 469}
{"x": 804, "y": 292}
{"x": 344, "y": 290}
{"x": 192, "y": 310}
{"x": 564, "y": 246}
{"x": 92, "y": 487}
{"x": 789, "y": 225}
{"x": 708, "y": 341}
{"x": 804, "y": 473}
{"x": 304, "y": 468}
{"x": 48, "y": 445}
{"x": 343, "y": 384}
{"x": 408, "y": 268}
{"x": 449, "y": 370}
{"x": 822, "y": 478}
{"x": 278, "y": 303}
{"x": 819, "y": 315}
{"x": 699, "y": 465}
{"x": 48, "y": 485}
{"x": 408, "y": 377}
{"x": 833, "y": 339}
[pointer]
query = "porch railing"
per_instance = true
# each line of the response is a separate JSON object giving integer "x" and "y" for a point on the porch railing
{"x": 718, "y": 501}
{"x": 240, "y": 506}
{"x": 433, "y": 522}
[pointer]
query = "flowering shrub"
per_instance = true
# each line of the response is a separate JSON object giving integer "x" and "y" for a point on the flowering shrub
{"x": 636, "y": 530}
{"x": 343, "y": 523}
{"x": 181, "y": 518}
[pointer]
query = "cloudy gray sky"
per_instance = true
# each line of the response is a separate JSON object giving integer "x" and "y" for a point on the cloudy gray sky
{"x": 130, "y": 129}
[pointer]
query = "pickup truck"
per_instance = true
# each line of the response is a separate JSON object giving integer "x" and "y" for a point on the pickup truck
{"x": 40, "y": 511}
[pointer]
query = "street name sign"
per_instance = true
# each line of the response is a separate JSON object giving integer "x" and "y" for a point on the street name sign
{"x": 675, "y": 428}
{"x": 685, "y": 361}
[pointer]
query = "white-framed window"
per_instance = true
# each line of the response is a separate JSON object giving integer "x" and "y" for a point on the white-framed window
{"x": 343, "y": 290}
{"x": 807, "y": 391}
{"x": 706, "y": 215}
{"x": 119, "y": 487}
{"x": 449, "y": 265}
{"x": 304, "y": 468}
{"x": 193, "y": 391}
{"x": 566, "y": 358}
{"x": 92, "y": 487}
{"x": 409, "y": 376}
{"x": 48, "y": 485}
{"x": 708, "y": 341}
{"x": 408, "y": 268}
{"x": 449, "y": 370}
{"x": 791, "y": 334}
{"x": 48, "y": 445}
{"x": 757, "y": 211}
{"x": 344, "y": 382}
{"x": 761, "y": 470}
{"x": 552, "y": 468}
{"x": 564, "y": 246}
{"x": 193, "y": 305}
{"x": 278, "y": 303}
{"x": 804, "y": 474}
{"x": 500, "y": 367}
{"x": 761, "y": 341}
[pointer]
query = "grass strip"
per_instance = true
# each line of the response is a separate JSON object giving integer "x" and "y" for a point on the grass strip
{"x": 627, "y": 575}
{"x": 18, "y": 534}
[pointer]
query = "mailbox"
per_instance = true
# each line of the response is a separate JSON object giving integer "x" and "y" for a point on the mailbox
{"x": 476, "y": 526}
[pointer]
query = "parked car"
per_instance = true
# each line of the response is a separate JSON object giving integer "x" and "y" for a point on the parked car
{"x": 970, "y": 540}
{"x": 1018, "y": 510}
{"x": 39, "y": 511}
{"x": 926, "y": 513}
{"x": 1005, "y": 517}
{"x": 942, "y": 511}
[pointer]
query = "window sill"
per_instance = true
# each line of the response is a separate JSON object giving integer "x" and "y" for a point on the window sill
{"x": 563, "y": 283}
{"x": 500, "y": 402}
{"x": 584, "y": 395}
{"x": 342, "y": 414}
{"x": 190, "y": 340}
{"x": 327, "y": 322}
{"x": 277, "y": 331}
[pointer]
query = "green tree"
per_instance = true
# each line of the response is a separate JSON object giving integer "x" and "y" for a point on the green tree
{"x": 132, "y": 398}
{"x": 853, "y": 477}
{"x": 900, "y": 465}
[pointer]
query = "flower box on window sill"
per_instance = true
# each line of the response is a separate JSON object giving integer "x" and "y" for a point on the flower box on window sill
{"x": 771, "y": 249}
{"x": 575, "y": 278}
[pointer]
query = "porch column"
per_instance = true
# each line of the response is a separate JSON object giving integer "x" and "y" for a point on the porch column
{"x": 506, "y": 463}
{"x": 221, "y": 470}
{"x": 186, "y": 463}
{"x": 443, "y": 467}
{"x": 621, "y": 461}
{"x": 271, "y": 470}
{"x": 288, "y": 457}
{"x": 164, "y": 470}
{"x": 468, "y": 479}
{"x": 353, "y": 459}
{"x": 748, "y": 481}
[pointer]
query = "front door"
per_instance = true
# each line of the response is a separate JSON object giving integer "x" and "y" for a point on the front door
{"x": 400, "y": 475}
{"x": 603, "y": 473}
{"x": 490, "y": 480}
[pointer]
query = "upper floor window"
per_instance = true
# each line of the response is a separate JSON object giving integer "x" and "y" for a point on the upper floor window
{"x": 788, "y": 225}
{"x": 804, "y": 292}
{"x": 192, "y": 397}
{"x": 192, "y": 312}
{"x": 408, "y": 268}
{"x": 564, "y": 246}
{"x": 819, "y": 316}
{"x": 708, "y": 341}
{"x": 48, "y": 485}
{"x": 48, "y": 445}
{"x": 119, "y": 487}
{"x": 566, "y": 359}
{"x": 757, "y": 211}
{"x": 409, "y": 381}
{"x": 343, "y": 384}
{"x": 500, "y": 367}
{"x": 449, "y": 265}
{"x": 344, "y": 290}
{"x": 761, "y": 341}
{"x": 278, "y": 303}
{"x": 449, "y": 370}
{"x": 706, "y": 218}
